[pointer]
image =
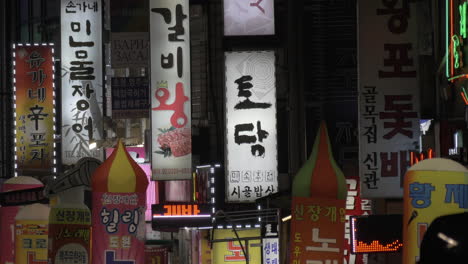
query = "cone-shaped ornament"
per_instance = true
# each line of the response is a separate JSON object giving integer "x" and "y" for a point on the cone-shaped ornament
{"x": 320, "y": 176}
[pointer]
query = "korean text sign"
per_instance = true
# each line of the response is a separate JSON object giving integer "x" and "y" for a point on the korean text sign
{"x": 34, "y": 109}
{"x": 249, "y": 17}
{"x": 230, "y": 251}
{"x": 170, "y": 90}
{"x": 317, "y": 230}
{"x": 388, "y": 94}
{"x": 82, "y": 78}
{"x": 429, "y": 194}
{"x": 251, "y": 151}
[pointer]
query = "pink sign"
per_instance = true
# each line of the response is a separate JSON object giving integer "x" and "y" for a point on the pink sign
{"x": 118, "y": 227}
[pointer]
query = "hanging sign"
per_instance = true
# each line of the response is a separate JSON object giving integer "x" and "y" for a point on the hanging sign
{"x": 317, "y": 230}
{"x": 171, "y": 123}
{"x": 34, "y": 109}
{"x": 251, "y": 151}
{"x": 82, "y": 79}
{"x": 249, "y": 17}
{"x": 227, "y": 247}
{"x": 388, "y": 94}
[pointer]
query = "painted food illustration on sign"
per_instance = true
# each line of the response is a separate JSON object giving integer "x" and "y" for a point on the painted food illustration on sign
{"x": 175, "y": 142}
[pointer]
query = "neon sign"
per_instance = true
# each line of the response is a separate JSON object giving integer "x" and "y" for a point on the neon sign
{"x": 181, "y": 209}
{"x": 415, "y": 157}
{"x": 456, "y": 28}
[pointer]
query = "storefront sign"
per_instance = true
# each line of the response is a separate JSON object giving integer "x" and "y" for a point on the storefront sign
{"x": 355, "y": 206}
{"x": 170, "y": 90}
{"x": 130, "y": 97}
{"x": 129, "y": 49}
{"x": 455, "y": 38}
{"x": 156, "y": 255}
{"x": 317, "y": 230}
{"x": 433, "y": 188}
{"x": 388, "y": 95}
{"x": 34, "y": 109}
{"x": 82, "y": 79}
{"x": 271, "y": 250}
{"x": 251, "y": 152}
{"x": 230, "y": 250}
{"x": 249, "y": 17}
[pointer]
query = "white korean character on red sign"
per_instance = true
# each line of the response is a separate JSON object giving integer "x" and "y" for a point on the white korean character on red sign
{"x": 324, "y": 242}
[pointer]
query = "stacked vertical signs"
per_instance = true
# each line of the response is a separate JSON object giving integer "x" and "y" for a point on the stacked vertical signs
{"x": 82, "y": 78}
{"x": 251, "y": 156}
{"x": 170, "y": 90}
{"x": 34, "y": 115}
{"x": 388, "y": 94}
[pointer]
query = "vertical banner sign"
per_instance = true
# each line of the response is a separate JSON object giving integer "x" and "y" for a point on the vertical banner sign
{"x": 271, "y": 250}
{"x": 355, "y": 206}
{"x": 82, "y": 79}
{"x": 388, "y": 95}
{"x": 249, "y": 17}
{"x": 34, "y": 116}
{"x": 171, "y": 123}
{"x": 252, "y": 152}
{"x": 118, "y": 217}
{"x": 230, "y": 251}
{"x": 317, "y": 230}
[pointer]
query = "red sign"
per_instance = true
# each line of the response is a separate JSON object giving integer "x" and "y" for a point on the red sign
{"x": 154, "y": 255}
{"x": 317, "y": 230}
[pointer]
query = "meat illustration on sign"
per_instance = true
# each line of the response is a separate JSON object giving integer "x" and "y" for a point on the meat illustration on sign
{"x": 175, "y": 142}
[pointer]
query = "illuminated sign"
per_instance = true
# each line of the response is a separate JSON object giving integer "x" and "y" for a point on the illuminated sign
{"x": 171, "y": 123}
{"x": 82, "y": 79}
{"x": 456, "y": 21}
{"x": 230, "y": 247}
{"x": 249, "y": 17}
{"x": 198, "y": 213}
{"x": 388, "y": 89}
{"x": 376, "y": 233}
{"x": 251, "y": 152}
{"x": 34, "y": 109}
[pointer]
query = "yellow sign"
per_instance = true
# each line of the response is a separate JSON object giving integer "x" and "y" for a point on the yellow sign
{"x": 31, "y": 241}
{"x": 429, "y": 194}
{"x": 230, "y": 252}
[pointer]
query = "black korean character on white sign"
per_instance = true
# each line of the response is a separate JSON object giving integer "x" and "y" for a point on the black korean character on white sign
{"x": 178, "y": 29}
{"x": 244, "y": 85}
{"x": 80, "y": 68}
{"x": 240, "y": 137}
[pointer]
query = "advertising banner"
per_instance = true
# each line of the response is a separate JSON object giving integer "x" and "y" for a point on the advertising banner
{"x": 317, "y": 230}
{"x": 34, "y": 113}
{"x": 271, "y": 250}
{"x": 433, "y": 188}
{"x": 355, "y": 206}
{"x": 82, "y": 78}
{"x": 249, "y": 18}
{"x": 251, "y": 151}
{"x": 388, "y": 94}
{"x": 170, "y": 90}
{"x": 69, "y": 236}
{"x": 118, "y": 217}
{"x": 231, "y": 251}
{"x": 130, "y": 97}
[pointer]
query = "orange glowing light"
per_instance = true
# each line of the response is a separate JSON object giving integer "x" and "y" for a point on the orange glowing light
{"x": 464, "y": 98}
{"x": 181, "y": 209}
{"x": 415, "y": 158}
{"x": 376, "y": 246}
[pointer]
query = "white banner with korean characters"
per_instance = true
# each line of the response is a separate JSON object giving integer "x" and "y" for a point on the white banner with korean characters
{"x": 171, "y": 138}
{"x": 251, "y": 150}
{"x": 388, "y": 94}
{"x": 82, "y": 79}
{"x": 249, "y": 17}
{"x": 271, "y": 250}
